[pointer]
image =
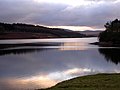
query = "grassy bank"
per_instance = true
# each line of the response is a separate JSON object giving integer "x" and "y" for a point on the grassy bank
{"x": 90, "y": 82}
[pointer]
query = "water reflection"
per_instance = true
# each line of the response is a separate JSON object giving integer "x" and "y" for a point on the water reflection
{"x": 20, "y": 51}
{"x": 73, "y": 46}
{"x": 111, "y": 54}
{"x": 30, "y": 68}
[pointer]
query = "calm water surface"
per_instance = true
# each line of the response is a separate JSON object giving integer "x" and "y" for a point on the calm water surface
{"x": 29, "y": 68}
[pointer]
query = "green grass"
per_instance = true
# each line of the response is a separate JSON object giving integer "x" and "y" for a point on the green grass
{"x": 90, "y": 82}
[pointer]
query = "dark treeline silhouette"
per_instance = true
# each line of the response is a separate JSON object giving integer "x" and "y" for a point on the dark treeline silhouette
{"x": 21, "y": 51}
{"x": 5, "y": 46}
{"x": 19, "y": 27}
{"x": 112, "y": 32}
{"x": 111, "y": 54}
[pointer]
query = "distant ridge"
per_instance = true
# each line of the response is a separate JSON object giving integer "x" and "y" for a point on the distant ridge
{"x": 12, "y": 31}
{"x": 91, "y": 33}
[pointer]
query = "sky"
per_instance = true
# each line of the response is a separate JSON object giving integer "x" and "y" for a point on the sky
{"x": 69, "y": 14}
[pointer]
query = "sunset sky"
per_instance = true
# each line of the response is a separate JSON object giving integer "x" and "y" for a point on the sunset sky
{"x": 68, "y": 14}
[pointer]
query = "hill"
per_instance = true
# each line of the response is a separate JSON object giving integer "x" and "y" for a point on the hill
{"x": 19, "y": 30}
{"x": 90, "y": 82}
{"x": 91, "y": 33}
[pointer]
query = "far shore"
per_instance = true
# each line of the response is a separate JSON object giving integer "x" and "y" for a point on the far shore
{"x": 30, "y": 35}
{"x": 23, "y": 35}
{"x": 106, "y": 44}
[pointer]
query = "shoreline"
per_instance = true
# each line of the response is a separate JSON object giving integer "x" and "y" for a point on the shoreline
{"x": 42, "y": 38}
{"x": 105, "y": 44}
{"x": 23, "y": 35}
{"x": 30, "y": 35}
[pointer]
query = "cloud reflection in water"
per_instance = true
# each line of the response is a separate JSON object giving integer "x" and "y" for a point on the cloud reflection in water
{"x": 43, "y": 68}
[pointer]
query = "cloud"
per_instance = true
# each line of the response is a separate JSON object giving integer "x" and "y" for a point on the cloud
{"x": 102, "y": 0}
{"x": 54, "y": 14}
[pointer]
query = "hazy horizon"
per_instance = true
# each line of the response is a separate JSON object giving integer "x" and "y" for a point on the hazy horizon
{"x": 75, "y": 15}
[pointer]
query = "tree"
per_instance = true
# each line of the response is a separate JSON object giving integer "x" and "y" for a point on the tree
{"x": 112, "y": 32}
{"x": 113, "y": 26}
{"x": 2, "y": 30}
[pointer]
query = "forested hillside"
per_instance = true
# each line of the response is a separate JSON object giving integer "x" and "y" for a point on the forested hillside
{"x": 36, "y": 30}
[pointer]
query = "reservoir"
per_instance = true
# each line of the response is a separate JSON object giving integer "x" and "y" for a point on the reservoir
{"x": 34, "y": 67}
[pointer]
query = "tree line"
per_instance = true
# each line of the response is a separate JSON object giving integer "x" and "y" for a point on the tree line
{"x": 19, "y": 27}
{"x": 112, "y": 32}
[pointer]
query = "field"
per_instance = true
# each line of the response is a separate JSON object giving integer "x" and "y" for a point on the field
{"x": 90, "y": 82}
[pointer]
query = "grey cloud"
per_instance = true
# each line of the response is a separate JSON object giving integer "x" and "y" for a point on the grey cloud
{"x": 29, "y": 11}
{"x": 13, "y": 11}
{"x": 95, "y": 15}
{"x": 102, "y": 0}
